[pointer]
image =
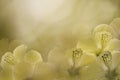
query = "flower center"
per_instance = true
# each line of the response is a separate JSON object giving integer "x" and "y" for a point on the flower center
{"x": 107, "y": 58}
{"x": 8, "y": 58}
{"x": 74, "y": 70}
{"x": 77, "y": 53}
{"x": 102, "y": 38}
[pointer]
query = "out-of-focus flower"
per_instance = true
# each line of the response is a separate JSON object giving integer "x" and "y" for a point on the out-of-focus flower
{"x": 33, "y": 57}
{"x": 27, "y": 61}
{"x": 8, "y": 60}
{"x": 70, "y": 62}
{"x": 7, "y": 63}
{"x": 106, "y": 67}
{"x": 21, "y": 63}
{"x": 6, "y": 45}
{"x": 96, "y": 59}
{"x": 102, "y": 35}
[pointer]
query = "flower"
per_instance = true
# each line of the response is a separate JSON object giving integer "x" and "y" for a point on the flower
{"x": 7, "y": 63}
{"x": 106, "y": 66}
{"x": 7, "y": 45}
{"x": 69, "y": 63}
{"x": 110, "y": 65}
{"x": 21, "y": 63}
{"x": 103, "y": 36}
{"x": 27, "y": 61}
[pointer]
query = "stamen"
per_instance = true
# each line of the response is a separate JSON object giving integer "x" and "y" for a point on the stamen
{"x": 102, "y": 38}
{"x": 103, "y": 34}
{"x": 107, "y": 58}
{"x": 76, "y": 55}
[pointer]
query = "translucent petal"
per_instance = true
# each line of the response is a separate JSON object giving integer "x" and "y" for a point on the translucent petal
{"x": 92, "y": 72}
{"x": 33, "y": 56}
{"x": 116, "y": 26}
{"x": 58, "y": 58}
{"x": 102, "y": 35}
{"x": 102, "y": 39}
{"x": 103, "y": 27}
{"x": 116, "y": 59}
{"x": 8, "y": 60}
{"x": 113, "y": 45}
{"x": 87, "y": 58}
{"x": 19, "y": 52}
{"x": 87, "y": 45}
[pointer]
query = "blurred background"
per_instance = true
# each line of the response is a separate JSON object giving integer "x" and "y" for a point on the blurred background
{"x": 44, "y": 24}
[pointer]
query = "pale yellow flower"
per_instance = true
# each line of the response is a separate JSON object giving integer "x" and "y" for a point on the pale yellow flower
{"x": 69, "y": 63}
{"x": 103, "y": 38}
{"x": 20, "y": 64}
{"x": 27, "y": 61}
{"x": 7, "y": 45}
{"x": 7, "y": 64}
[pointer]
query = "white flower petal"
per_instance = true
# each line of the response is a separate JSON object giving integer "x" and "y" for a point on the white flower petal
{"x": 58, "y": 58}
{"x": 116, "y": 26}
{"x": 87, "y": 45}
{"x": 113, "y": 45}
{"x": 92, "y": 72}
{"x": 115, "y": 59}
{"x": 103, "y": 34}
{"x": 33, "y": 56}
{"x": 19, "y": 52}
{"x": 8, "y": 61}
{"x": 87, "y": 58}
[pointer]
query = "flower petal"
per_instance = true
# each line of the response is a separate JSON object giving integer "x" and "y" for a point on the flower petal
{"x": 92, "y": 72}
{"x": 87, "y": 45}
{"x": 8, "y": 60}
{"x": 58, "y": 58}
{"x": 19, "y": 52}
{"x": 102, "y": 35}
{"x": 116, "y": 26}
{"x": 87, "y": 58}
{"x": 33, "y": 56}
{"x": 113, "y": 45}
{"x": 115, "y": 59}
{"x": 103, "y": 27}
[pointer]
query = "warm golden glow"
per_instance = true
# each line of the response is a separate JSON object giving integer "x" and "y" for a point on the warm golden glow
{"x": 59, "y": 40}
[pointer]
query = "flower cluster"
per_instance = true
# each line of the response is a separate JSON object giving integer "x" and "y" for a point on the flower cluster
{"x": 96, "y": 59}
